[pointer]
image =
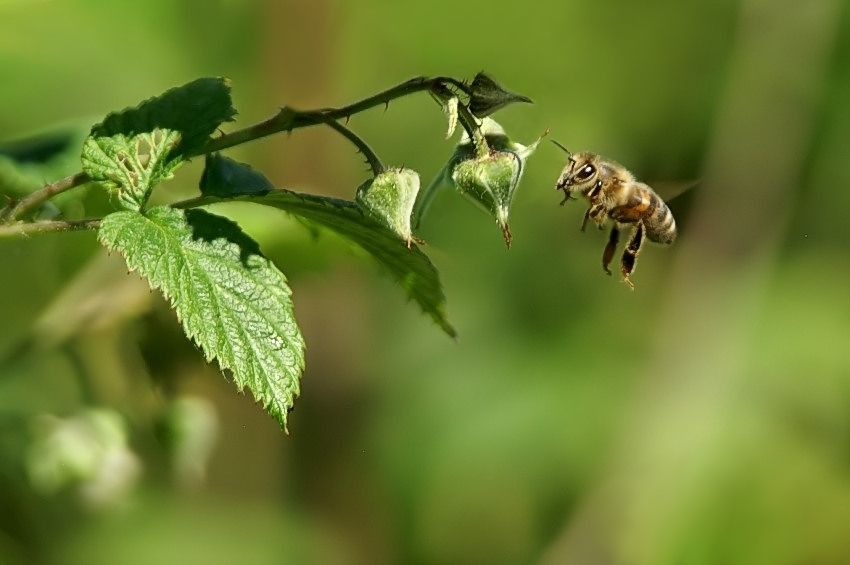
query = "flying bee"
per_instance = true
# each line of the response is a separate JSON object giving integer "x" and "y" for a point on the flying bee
{"x": 614, "y": 193}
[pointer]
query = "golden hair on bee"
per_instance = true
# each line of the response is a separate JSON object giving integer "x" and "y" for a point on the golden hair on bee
{"x": 613, "y": 193}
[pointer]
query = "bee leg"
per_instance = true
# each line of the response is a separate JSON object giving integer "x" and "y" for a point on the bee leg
{"x": 610, "y": 248}
{"x": 630, "y": 253}
{"x": 595, "y": 213}
{"x": 586, "y": 217}
{"x": 567, "y": 197}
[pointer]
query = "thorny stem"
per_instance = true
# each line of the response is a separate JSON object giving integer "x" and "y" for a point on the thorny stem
{"x": 371, "y": 157}
{"x": 470, "y": 124}
{"x": 285, "y": 120}
{"x": 17, "y": 230}
{"x": 288, "y": 119}
{"x": 40, "y": 196}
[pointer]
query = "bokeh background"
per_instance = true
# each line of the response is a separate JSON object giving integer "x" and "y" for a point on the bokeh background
{"x": 702, "y": 419}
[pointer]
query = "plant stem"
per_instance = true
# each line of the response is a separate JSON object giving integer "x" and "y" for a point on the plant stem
{"x": 44, "y": 194}
{"x": 470, "y": 124}
{"x": 286, "y": 119}
{"x": 16, "y": 230}
{"x": 371, "y": 157}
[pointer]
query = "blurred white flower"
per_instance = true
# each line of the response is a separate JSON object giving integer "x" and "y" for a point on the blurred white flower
{"x": 90, "y": 451}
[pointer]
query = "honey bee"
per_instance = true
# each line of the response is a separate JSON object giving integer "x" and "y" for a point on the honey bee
{"x": 615, "y": 194}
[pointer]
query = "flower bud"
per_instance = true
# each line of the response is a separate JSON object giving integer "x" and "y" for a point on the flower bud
{"x": 488, "y": 95}
{"x": 492, "y": 179}
{"x": 389, "y": 199}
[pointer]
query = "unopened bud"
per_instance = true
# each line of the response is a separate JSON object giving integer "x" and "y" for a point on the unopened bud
{"x": 389, "y": 199}
{"x": 488, "y": 95}
{"x": 492, "y": 180}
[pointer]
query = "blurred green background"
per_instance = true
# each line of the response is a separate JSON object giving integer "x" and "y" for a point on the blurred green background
{"x": 702, "y": 419}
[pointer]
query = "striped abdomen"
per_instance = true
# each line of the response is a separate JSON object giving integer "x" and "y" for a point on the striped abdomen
{"x": 647, "y": 207}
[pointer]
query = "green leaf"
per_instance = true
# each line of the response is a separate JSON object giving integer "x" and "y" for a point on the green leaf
{"x": 134, "y": 149}
{"x": 411, "y": 268}
{"x": 231, "y": 300}
{"x": 225, "y": 177}
{"x": 26, "y": 163}
{"x": 131, "y": 166}
{"x": 195, "y": 110}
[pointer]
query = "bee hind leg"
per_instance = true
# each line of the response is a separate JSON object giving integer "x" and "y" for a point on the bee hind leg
{"x": 630, "y": 253}
{"x": 610, "y": 248}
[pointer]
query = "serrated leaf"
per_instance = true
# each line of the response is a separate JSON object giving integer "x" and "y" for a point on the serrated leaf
{"x": 131, "y": 166}
{"x": 231, "y": 300}
{"x": 411, "y": 268}
{"x": 225, "y": 177}
{"x": 181, "y": 121}
{"x": 195, "y": 109}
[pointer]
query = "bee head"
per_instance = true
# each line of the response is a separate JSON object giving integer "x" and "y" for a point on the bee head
{"x": 581, "y": 173}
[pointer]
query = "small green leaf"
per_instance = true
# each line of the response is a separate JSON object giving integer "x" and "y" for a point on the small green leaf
{"x": 195, "y": 109}
{"x": 225, "y": 177}
{"x": 130, "y": 166}
{"x": 389, "y": 198}
{"x": 488, "y": 95}
{"x": 411, "y": 268}
{"x": 134, "y": 149}
{"x": 231, "y": 300}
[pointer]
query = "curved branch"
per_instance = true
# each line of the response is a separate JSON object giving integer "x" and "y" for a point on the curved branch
{"x": 17, "y": 230}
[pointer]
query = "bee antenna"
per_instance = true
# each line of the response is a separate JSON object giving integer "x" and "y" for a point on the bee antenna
{"x": 567, "y": 151}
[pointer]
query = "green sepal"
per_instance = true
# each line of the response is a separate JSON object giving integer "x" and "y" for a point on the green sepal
{"x": 389, "y": 199}
{"x": 489, "y": 181}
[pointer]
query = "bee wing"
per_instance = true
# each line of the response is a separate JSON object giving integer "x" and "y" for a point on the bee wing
{"x": 668, "y": 190}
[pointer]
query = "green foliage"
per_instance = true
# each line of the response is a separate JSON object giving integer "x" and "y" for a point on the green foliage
{"x": 131, "y": 166}
{"x": 225, "y": 177}
{"x": 195, "y": 109}
{"x": 132, "y": 151}
{"x": 410, "y": 268}
{"x": 230, "y": 299}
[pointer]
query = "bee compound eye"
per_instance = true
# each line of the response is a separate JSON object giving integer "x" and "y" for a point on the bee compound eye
{"x": 586, "y": 172}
